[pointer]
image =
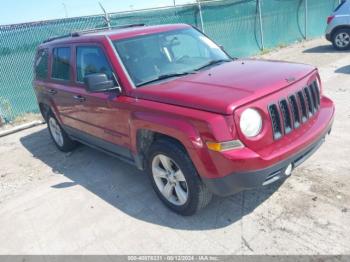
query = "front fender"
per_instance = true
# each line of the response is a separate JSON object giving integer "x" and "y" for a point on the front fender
{"x": 180, "y": 129}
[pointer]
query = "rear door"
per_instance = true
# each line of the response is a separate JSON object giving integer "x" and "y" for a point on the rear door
{"x": 58, "y": 85}
{"x": 41, "y": 73}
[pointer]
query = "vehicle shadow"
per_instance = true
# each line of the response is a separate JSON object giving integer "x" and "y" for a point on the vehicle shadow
{"x": 129, "y": 190}
{"x": 343, "y": 70}
{"x": 323, "y": 49}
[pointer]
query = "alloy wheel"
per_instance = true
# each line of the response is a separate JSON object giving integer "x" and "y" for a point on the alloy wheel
{"x": 342, "y": 39}
{"x": 170, "y": 180}
{"x": 56, "y": 131}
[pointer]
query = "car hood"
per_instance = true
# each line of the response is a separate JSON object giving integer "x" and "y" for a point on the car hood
{"x": 227, "y": 86}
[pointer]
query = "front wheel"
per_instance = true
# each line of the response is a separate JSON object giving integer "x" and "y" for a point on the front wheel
{"x": 175, "y": 179}
{"x": 59, "y": 136}
{"x": 341, "y": 39}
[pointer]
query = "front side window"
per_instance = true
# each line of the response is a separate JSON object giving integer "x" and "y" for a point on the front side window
{"x": 92, "y": 60}
{"x": 41, "y": 64}
{"x": 157, "y": 56}
{"x": 61, "y": 63}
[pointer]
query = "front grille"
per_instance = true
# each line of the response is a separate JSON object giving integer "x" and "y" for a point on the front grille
{"x": 315, "y": 95}
{"x": 276, "y": 121}
{"x": 304, "y": 114}
{"x": 295, "y": 110}
{"x": 287, "y": 119}
{"x": 310, "y": 104}
{"x": 290, "y": 113}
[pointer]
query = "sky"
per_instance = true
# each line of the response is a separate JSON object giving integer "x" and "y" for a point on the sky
{"x": 21, "y": 11}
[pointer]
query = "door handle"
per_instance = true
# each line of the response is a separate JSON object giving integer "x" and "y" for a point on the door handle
{"x": 52, "y": 92}
{"x": 79, "y": 98}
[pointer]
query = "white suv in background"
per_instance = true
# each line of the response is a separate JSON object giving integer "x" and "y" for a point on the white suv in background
{"x": 338, "y": 29}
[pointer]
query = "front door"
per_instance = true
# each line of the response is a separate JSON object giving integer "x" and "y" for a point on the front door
{"x": 99, "y": 118}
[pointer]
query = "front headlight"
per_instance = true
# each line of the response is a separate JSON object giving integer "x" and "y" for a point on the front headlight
{"x": 251, "y": 122}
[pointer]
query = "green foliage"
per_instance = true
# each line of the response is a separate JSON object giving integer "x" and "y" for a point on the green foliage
{"x": 6, "y": 112}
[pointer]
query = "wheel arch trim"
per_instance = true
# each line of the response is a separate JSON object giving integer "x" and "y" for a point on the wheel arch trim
{"x": 335, "y": 29}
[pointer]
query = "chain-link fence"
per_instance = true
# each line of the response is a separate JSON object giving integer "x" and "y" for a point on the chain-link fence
{"x": 243, "y": 27}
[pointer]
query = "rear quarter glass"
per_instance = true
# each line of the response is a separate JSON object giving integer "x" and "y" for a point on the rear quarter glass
{"x": 41, "y": 64}
{"x": 339, "y": 6}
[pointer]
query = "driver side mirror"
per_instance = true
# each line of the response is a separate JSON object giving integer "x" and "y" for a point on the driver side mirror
{"x": 99, "y": 83}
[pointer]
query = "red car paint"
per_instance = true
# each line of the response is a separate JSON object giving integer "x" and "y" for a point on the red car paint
{"x": 193, "y": 109}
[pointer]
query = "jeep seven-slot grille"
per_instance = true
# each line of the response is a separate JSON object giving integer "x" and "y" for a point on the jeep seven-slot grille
{"x": 286, "y": 116}
{"x": 295, "y": 110}
{"x": 276, "y": 121}
{"x": 302, "y": 103}
{"x": 290, "y": 113}
{"x": 310, "y": 104}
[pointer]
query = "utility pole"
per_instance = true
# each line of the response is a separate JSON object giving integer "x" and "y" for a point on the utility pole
{"x": 261, "y": 25}
{"x": 65, "y": 10}
{"x": 107, "y": 17}
{"x": 200, "y": 15}
{"x": 306, "y": 18}
{"x": 175, "y": 11}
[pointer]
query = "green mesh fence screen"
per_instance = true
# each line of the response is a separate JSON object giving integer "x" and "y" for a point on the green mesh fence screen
{"x": 232, "y": 23}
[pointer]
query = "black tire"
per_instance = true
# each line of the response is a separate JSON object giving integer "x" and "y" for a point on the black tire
{"x": 67, "y": 144}
{"x": 336, "y": 44}
{"x": 198, "y": 194}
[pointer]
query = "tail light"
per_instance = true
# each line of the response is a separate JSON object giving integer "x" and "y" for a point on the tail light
{"x": 329, "y": 19}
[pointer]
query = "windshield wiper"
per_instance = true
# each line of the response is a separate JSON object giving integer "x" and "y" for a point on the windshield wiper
{"x": 162, "y": 77}
{"x": 213, "y": 62}
{"x": 165, "y": 76}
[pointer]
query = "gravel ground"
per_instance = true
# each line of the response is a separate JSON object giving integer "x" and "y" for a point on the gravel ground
{"x": 86, "y": 202}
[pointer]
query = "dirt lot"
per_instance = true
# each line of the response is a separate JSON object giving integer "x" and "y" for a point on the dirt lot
{"x": 89, "y": 203}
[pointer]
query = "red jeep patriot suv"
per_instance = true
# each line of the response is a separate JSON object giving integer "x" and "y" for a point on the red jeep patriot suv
{"x": 170, "y": 101}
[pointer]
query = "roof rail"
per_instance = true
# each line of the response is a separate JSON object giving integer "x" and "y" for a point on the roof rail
{"x": 92, "y": 30}
{"x": 78, "y": 33}
{"x": 58, "y": 37}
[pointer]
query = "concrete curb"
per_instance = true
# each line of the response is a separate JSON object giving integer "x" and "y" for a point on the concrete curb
{"x": 21, "y": 127}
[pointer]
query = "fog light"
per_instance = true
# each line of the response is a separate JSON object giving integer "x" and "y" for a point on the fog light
{"x": 288, "y": 170}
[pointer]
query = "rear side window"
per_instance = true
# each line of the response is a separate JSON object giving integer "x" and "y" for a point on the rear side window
{"x": 61, "y": 63}
{"x": 41, "y": 64}
{"x": 92, "y": 60}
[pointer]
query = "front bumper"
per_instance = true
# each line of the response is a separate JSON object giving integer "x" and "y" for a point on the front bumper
{"x": 236, "y": 182}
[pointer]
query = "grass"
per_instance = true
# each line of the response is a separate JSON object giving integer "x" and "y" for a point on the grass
{"x": 278, "y": 47}
{"x": 269, "y": 50}
{"x": 22, "y": 119}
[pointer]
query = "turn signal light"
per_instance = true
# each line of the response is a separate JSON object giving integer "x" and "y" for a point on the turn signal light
{"x": 224, "y": 146}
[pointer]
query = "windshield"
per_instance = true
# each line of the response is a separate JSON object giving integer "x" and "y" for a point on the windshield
{"x": 168, "y": 54}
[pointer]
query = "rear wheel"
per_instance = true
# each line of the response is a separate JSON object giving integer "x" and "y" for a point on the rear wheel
{"x": 175, "y": 179}
{"x": 341, "y": 39}
{"x": 58, "y": 135}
